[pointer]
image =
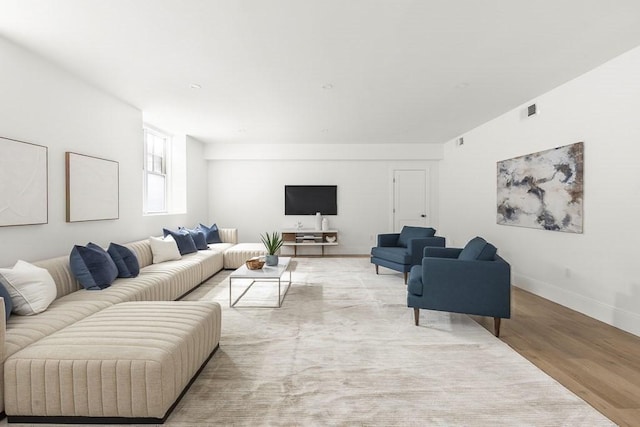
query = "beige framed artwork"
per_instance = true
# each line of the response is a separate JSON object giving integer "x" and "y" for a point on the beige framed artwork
{"x": 23, "y": 183}
{"x": 92, "y": 188}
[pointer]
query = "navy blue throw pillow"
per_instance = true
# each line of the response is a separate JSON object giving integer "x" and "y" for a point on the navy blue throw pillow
{"x": 211, "y": 233}
{"x": 92, "y": 266}
{"x": 198, "y": 238}
{"x": 125, "y": 260}
{"x": 183, "y": 239}
{"x": 8, "y": 303}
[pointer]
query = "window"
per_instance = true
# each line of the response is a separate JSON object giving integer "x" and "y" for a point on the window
{"x": 165, "y": 172}
{"x": 156, "y": 149}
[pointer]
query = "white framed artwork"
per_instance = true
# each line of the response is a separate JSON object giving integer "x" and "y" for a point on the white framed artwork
{"x": 543, "y": 190}
{"x": 92, "y": 188}
{"x": 23, "y": 183}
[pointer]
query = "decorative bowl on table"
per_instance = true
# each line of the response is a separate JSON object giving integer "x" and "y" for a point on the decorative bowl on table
{"x": 331, "y": 239}
{"x": 254, "y": 263}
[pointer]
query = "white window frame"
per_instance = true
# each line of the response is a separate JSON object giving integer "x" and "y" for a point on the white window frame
{"x": 164, "y": 172}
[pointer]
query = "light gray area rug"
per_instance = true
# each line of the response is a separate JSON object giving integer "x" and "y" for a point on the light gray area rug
{"x": 343, "y": 350}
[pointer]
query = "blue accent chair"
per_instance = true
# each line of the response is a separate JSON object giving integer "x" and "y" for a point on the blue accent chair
{"x": 401, "y": 251}
{"x": 474, "y": 280}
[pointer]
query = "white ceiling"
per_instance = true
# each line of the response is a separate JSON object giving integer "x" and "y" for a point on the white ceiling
{"x": 401, "y": 71}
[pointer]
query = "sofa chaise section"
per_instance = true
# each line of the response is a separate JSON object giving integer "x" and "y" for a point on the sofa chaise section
{"x": 235, "y": 254}
{"x": 130, "y": 362}
{"x": 21, "y": 331}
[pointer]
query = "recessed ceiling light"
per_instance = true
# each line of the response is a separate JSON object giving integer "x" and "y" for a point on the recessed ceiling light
{"x": 242, "y": 130}
{"x": 325, "y": 130}
{"x": 327, "y": 86}
{"x": 195, "y": 86}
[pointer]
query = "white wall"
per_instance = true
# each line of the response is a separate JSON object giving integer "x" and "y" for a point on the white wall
{"x": 197, "y": 184}
{"x": 45, "y": 105}
{"x": 595, "y": 272}
{"x": 249, "y": 195}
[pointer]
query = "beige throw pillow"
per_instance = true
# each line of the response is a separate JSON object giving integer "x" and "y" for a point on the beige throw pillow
{"x": 32, "y": 288}
{"x": 164, "y": 249}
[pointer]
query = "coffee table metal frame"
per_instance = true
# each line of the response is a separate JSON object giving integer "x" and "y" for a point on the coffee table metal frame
{"x": 265, "y": 274}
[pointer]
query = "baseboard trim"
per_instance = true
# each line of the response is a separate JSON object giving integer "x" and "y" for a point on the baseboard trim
{"x": 28, "y": 419}
{"x": 614, "y": 316}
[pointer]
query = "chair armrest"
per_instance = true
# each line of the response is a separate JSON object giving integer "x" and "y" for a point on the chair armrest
{"x": 416, "y": 246}
{"x": 436, "y": 252}
{"x": 388, "y": 239}
{"x": 473, "y": 287}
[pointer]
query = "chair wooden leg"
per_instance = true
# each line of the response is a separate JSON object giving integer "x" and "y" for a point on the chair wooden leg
{"x": 406, "y": 275}
{"x": 496, "y": 326}
{"x": 416, "y": 315}
{"x": 376, "y": 268}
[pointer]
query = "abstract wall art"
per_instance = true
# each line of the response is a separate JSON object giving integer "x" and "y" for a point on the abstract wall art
{"x": 543, "y": 190}
{"x": 92, "y": 188}
{"x": 23, "y": 183}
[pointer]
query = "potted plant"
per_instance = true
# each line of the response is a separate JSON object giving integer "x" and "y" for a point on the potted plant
{"x": 273, "y": 243}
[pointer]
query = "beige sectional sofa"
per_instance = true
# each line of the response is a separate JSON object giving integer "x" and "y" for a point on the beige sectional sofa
{"x": 74, "y": 307}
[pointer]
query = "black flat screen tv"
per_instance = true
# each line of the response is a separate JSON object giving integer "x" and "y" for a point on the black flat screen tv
{"x": 309, "y": 199}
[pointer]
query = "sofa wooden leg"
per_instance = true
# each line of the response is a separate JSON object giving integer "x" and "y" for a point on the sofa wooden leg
{"x": 416, "y": 315}
{"x": 406, "y": 276}
{"x": 376, "y": 268}
{"x": 496, "y": 326}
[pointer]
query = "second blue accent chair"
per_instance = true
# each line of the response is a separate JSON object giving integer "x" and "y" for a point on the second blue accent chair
{"x": 473, "y": 280}
{"x": 401, "y": 251}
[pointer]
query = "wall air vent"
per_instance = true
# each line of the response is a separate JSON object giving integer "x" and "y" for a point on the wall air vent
{"x": 532, "y": 110}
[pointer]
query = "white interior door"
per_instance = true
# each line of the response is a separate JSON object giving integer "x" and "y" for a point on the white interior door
{"x": 409, "y": 198}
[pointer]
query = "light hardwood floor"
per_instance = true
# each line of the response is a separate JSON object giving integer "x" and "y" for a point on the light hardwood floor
{"x": 598, "y": 362}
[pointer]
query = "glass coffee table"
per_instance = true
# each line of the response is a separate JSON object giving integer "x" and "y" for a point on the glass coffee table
{"x": 273, "y": 274}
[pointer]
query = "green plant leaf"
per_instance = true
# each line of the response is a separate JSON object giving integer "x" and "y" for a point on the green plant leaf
{"x": 272, "y": 242}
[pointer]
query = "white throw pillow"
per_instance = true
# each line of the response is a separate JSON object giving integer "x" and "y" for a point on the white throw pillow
{"x": 164, "y": 249}
{"x": 32, "y": 288}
